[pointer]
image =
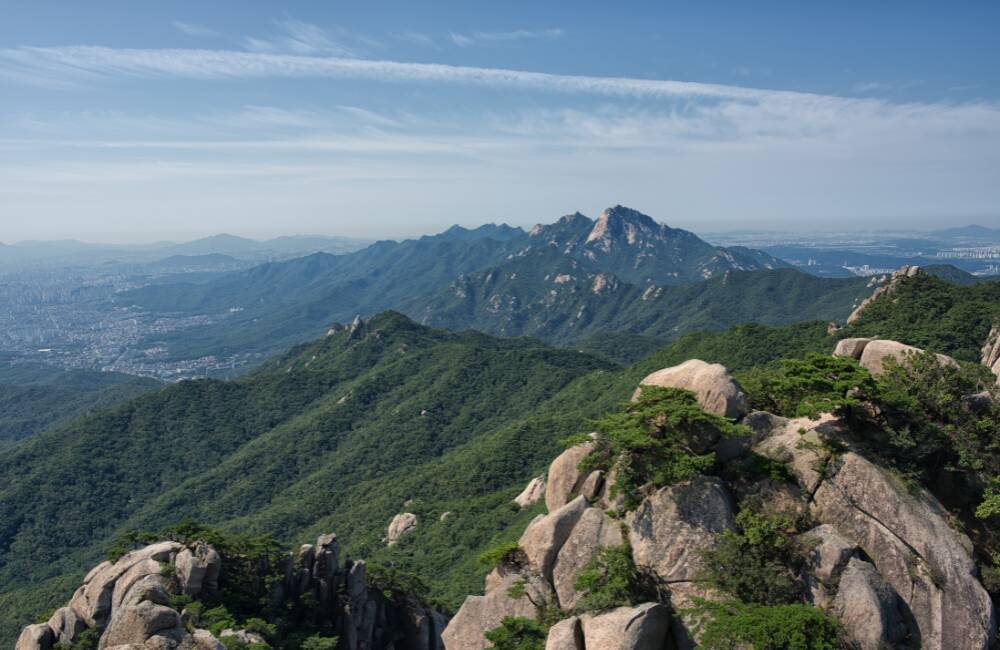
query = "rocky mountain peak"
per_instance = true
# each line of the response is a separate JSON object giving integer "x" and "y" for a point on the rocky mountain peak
{"x": 622, "y": 224}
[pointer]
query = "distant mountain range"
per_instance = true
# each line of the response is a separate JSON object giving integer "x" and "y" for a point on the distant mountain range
{"x": 560, "y": 282}
{"x": 40, "y": 253}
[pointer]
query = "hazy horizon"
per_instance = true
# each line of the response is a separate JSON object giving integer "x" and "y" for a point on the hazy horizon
{"x": 144, "y": 238}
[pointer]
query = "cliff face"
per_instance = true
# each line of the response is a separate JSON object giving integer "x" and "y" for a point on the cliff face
{"x": 882, "y": 557}
{"x": 157, "y": 598}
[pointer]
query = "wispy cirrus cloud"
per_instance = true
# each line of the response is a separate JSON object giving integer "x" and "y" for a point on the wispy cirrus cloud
{"x": 88, "y": 63}
{"x": 198, "y": 31}
{"x": 297, "y": 37}
{"x": 492, "y": 38}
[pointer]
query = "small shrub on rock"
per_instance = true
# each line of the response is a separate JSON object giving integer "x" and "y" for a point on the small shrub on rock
{"x": 611, "y": 579}
{"x": 751, "y": 626}
{"x": 518, "y": 633}
{"x": 651, "y": 440}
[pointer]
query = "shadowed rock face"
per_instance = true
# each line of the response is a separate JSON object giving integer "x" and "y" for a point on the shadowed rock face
{"x": 908, "y": 537}
{"x": 671, "y": 527}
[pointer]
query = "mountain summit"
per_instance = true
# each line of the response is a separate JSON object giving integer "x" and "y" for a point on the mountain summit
{"x": 642, "y": 251}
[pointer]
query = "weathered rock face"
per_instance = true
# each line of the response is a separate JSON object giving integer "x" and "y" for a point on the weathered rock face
{"x": 593, "y": 530}
{"x": 128, "y": 602}
{"x": 479, "y": 614}
{"x": 828, "y": 555}
{"x": 533, "y": 492}
{"x": 670, "y": 528}
{"x": 908, "y": 538}
{"x": 716, "y": 390}
{"x": 138, "y": 624}
{"x": 93, "y": 600}
{"x": 35, "y": 637}
{"x": 400, "y": 525}
{"x": 198, "y": 569}
{"x": 875, "y": 353}
{"x": 565, "y": 478}
{"x": 545, "y": 536}
{"x": 643, "y": 627}
{"x": 868, "y": 608}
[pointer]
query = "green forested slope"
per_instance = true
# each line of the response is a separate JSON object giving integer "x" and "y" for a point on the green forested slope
{"x": 34, "y": 397}
{"x": 563, "y": 300}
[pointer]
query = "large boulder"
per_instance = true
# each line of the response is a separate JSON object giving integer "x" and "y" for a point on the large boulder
{"x": 565, "y": 478}
{"x": 533, "y": 492}
{"x": 672, "y": 526}
{"x": 567, "y": 634}
{"x": 401, "y": 524}
{"x": 643, "y": 627}
{"x": 907, "y": 535}
{"x": 851, "y": 348}
{"x": 593, "y": 530}
{"x": 876, "y": 352}
{"x": 542, "y": 540}
{"x": 868, "y": 608}
{"x": 480, "y": 614}
{"x": 716, "y": 390}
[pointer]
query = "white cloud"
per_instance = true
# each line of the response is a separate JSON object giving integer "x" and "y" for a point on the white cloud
{"x": 482, "y": 38}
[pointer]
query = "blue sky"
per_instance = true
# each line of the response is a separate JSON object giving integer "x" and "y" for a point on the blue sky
{"x": 137, "y": 121}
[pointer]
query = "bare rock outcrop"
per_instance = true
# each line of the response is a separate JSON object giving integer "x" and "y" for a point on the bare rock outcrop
{"x": 565, "y": 477}
{"x": 851, "y": 348}
{"x": 716, "y": 390}
{"x": 401, "y": 524}
{"x": 35, "y": 637}
{"x": 868, "y": 608}
{"x": 907, "y": 536}
{"x": 643, "y": 627}
{"x": 670, "y": 528}
{"x": 828, "y": 555}
{"x": 566, "y": 635}
{"x": 545, "y": 536}
{"x": 129, "y": 602}
{"x": 533, "y": 492}
{"x": 198, "y": 569}
{"x": 593, "y": 530}
{"x": 480, "y": 614}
